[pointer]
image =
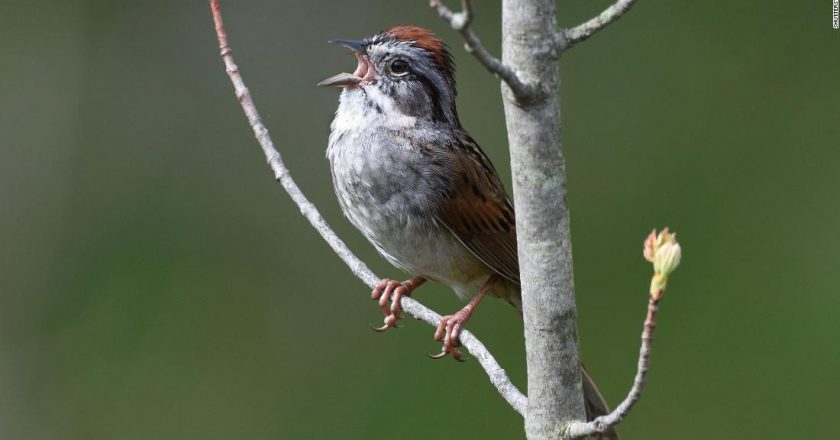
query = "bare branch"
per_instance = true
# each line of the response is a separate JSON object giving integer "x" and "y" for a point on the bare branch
{"x": 585, "y": 30}
{"x": 498, "y": 376}
{"x": 602, "y": 424}
{"x": 460, "y": 21}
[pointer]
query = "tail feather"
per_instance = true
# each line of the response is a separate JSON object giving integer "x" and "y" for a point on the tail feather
{"x": 596, "y": 406}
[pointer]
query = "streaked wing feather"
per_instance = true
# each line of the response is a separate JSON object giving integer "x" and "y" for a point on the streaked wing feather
{"x": 479, "y": 212}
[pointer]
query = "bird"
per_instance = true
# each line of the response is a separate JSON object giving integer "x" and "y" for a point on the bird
{"x": 418, "y": 186}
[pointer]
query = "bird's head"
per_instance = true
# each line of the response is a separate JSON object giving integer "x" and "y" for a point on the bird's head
{"x": 404, "y": 69}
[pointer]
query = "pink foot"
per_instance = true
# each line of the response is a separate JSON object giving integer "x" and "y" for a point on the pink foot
{"x": 394, "y": 291}
{"x": 450, "y": 325}
{"x": 448, "y": 331}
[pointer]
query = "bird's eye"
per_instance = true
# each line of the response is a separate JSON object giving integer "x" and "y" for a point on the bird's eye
{"x": 399, "y": 67}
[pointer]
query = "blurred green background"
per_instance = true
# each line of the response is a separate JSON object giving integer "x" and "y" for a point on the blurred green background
{"x": 156, "y": 283}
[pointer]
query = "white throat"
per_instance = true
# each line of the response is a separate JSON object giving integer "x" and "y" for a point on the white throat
{"x": 369, "y": 109}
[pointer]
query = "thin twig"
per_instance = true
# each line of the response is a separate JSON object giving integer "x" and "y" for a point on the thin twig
{"x": 461, "y": 21}
{"x": 595, "y": 24}
{"x": 498, "y": 376}
{"x": 604, "y": 423}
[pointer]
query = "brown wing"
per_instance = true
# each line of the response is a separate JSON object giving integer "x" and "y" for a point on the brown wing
{"x": 479, "y": 211}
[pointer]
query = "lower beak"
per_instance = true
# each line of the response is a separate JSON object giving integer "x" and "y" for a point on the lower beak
{"x": 343, "y": 79}
{"x": 363, "y": 74}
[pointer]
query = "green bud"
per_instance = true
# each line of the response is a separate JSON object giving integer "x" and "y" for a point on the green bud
{"x": 667, "y": 258}
{"x": 665, "y": 253}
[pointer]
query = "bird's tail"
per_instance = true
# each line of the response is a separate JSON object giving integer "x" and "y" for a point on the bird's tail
{"x": 596, "y": 406}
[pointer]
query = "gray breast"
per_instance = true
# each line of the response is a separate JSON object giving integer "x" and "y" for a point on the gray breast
{"x": 383, "y": 184}
{"x": 390, "y": 192}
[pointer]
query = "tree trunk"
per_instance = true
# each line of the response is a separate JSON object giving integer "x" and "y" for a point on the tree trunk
{"x": 554, "y": 393}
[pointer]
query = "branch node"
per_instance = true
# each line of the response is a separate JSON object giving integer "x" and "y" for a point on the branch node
{"x": 243, "y": 93}
{"x": 460, "y": 22}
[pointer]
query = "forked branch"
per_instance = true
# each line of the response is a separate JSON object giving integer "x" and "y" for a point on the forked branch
{"x": 498, "y": 376}
{"x": 665, "y": 253}
{"x": 603, "y": 424}
{"x": 585, "y": 30}
{"x": 461, "y": 21}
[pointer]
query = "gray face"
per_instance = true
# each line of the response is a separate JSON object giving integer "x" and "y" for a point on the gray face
{"x": 411, "y": 82}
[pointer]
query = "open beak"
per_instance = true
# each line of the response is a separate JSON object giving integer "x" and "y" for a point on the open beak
{"x": 364, "y": 73}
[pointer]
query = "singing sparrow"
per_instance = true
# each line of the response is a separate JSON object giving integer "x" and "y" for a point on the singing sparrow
{"x": 415, "y": 183}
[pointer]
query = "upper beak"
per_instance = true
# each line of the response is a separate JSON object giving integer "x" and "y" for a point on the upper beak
{"x": 364, "y": 70}
{"x": 354, "y": 45}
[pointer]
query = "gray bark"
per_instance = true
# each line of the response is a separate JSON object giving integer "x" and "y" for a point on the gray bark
{"x": 555, "y": 395}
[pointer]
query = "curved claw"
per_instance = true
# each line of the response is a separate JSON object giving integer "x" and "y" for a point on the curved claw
{"x": 455, "y": 355}
{"x": 380, "y": 329}
{"x": 440, "y": 355}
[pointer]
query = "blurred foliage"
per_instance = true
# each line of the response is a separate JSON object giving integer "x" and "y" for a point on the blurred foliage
{"x": 156, "y": 283}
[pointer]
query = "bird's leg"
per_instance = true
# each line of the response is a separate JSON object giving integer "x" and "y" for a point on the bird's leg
{"x": 450, "y": 325}
{"x": 393, "y": 290}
